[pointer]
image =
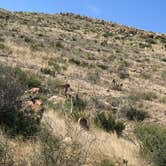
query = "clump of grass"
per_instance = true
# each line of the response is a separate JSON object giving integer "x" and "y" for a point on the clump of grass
{"x": 136, "y": 96}
{"x": 135, "y": 114}
{"x": 79, "y": 104}
{"x": 108, "y": 123}
{"x": 154, "y": 145}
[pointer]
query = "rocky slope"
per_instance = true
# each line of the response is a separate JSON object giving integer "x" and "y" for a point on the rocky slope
{"x": 89, "y": 54}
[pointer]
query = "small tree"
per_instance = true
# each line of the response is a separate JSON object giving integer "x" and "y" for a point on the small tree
{"x": 11, "y": 91}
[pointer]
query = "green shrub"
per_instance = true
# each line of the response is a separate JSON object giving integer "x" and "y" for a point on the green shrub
{"x": 108, "y": 123}
{"x": 154, "y": 143}
{"x": 78, "y": 103}
{"x": 19, "y": 123}
{"x": 28, "y": 79}
{"x": 12, "y": 119}
{"x": 135, "y": 114}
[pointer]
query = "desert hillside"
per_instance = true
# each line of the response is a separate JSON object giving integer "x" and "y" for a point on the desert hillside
{"x": 72, "y": 67}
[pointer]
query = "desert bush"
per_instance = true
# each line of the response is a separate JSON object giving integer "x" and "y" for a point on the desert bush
{"x": 135, "y": 114}
{"x": 27, "y": 79}
{"x": 76, "y": 115}
{"x": 79, "y": 103}
{"x": 154, "y": 145}
{"x": 12, "y": 120}
{"x": 78, "y": 106}
{"x": 54, "y": 151}
{"x": 108, "y": 123}
{"x": 11, "y": 90}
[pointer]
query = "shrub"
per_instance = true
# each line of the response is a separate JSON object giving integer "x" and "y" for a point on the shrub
{"x": 27, "y": 79}
{"x": 11, "y": 90}
{"x": 135, "y": 114}
{"x": 78, "y": 103}
{"x": 13, "y": 120}
{"x": 154, "y": 145}
{"x": 108, "y": 123}
{"x": 55, "y": 151}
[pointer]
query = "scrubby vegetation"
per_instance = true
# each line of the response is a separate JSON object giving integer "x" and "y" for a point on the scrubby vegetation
{"x": 154, "y": 145}
{"x": 13, "y": 83}
{"x": 109, "y": 68}
{"x": 108, "y": 123}
{"x": 136, "y": 114}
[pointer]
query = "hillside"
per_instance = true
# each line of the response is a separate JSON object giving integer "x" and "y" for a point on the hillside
{"x": 112, "y": 68}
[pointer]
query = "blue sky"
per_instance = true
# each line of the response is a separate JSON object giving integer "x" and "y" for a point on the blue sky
{"x": 143, "y": 14}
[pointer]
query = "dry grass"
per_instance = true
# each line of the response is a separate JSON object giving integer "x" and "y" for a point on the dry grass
{"x": 86, "y": 49}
